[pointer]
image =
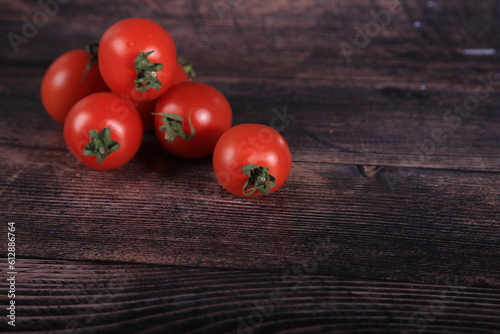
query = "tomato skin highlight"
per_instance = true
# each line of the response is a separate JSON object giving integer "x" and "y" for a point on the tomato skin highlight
{"x": 200, "y": 105}
{"x": 99, "y": 111}
{"x": 64, "y": 84}
{"x": 119, "y": 47}
{"x": 247, "y": 144}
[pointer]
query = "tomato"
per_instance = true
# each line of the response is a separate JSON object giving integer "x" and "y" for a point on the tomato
{"x": 184, "y": 72}
{"x": 66, "y": 82}
{"x": 190, "y": 118}
{"x": 147, "y": 108}
{"x": 137, "y": 59}
{"x": 103, "y": 131}
{"x": 252, "y": 160}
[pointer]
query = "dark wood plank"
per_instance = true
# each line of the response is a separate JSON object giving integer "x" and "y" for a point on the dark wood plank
{"x": 381, "y": 109}
{"x": 379, "y": 240}
{"x": 387, "y": 125}
{"x": 430, "y": 224}
{"x": 69, "y": 296}
{"x": 287, "y": 39}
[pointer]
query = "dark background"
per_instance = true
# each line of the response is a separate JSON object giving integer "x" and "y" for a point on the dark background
{"x": 389, "y": 222}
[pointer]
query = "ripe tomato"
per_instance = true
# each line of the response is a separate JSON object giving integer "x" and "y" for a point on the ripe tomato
{"x": 146, "y": 110}
{"x": 183, "y": 73}
{"x": 137, "y": 59}
{"x": 65, "y": 83}
{"x": 103, "y": 131}
{"x": 190, "y": 118}
{"x": 252, "y": 160}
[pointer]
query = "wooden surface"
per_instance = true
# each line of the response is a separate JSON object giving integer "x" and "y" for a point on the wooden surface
{"x": 389, "y": 222}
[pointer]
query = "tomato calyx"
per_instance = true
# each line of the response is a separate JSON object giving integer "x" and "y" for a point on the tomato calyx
{"x": 258, "y": 179}
{"x": 101, "y": 145}
{"x": 91, "y": 48}
{"x": 146, "y": 73}
{"x": 172, "y": 125}
{"x": 188, "y": 68}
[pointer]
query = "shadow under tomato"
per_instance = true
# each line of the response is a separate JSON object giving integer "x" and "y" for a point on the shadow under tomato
{"x": 156, "y": 159}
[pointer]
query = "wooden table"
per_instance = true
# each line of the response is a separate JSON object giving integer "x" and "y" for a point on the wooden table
{"x": 389, "y": 222}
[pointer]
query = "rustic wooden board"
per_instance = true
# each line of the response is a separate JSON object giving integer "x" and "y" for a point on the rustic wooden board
{"x": 294, "y": 40}
{"x": 376, "y": 110}
{"x": 391, "y": 196}
{"x": 349, "y": 125}
{"x": 160, "y": 210}
{"x": 83, "y": 297}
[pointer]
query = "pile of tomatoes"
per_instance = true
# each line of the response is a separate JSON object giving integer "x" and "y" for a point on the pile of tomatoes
{"x": 107, "y": 95}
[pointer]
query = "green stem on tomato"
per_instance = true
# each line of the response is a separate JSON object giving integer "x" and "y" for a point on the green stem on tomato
{"x": 146, "y": 72}
{"x": 172, "y": 125}
{"x": 91, "y": 48}
{"x": 258, "y": 179}
{"x": 188, "y": 68}
{"x": 101, "y": 145}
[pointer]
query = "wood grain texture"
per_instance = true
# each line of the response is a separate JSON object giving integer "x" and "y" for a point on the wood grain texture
{"x": 270, "y": 40}
{"x": 157, "y": 209}
{"x": 82, "y": 297}
{"x": 393, "y": 192}
{"x": 387, "y": 126}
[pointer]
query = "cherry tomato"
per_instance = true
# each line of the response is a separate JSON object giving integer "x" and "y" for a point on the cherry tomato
{"x": 147, "y": 108}
{"x": 183, "y": 73}
{"x": 66, "y": 82}
{"x": 137, "y": 59}
{"x": 103, "y": 131}
{"x": 190, "y": 118}
{"x": 252, "y": 160}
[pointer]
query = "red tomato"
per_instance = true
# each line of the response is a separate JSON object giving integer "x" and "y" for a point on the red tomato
{"x": 190, "y": 118}
{"x": 103, "y": 131}
{"x": 252, "y": 160}
{"x": 137, "y": 59}
{"x": 65, "y": 83}
{"x": 147, "y": 108}
{"x": 180, "y": 74}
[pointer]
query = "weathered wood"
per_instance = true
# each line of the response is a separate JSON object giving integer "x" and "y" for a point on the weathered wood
{"x": 287, "y": 40}
{"x": 82, "y": 297}
{"x": 387, "y": 125}
{"x": 430, "y": 223}
{"x": 381, "y": 109}
{"x": 391, "y": 196}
